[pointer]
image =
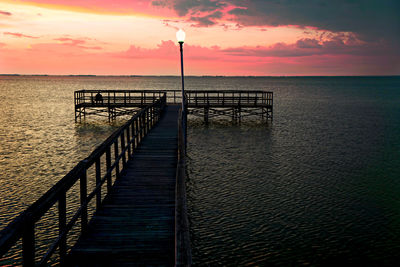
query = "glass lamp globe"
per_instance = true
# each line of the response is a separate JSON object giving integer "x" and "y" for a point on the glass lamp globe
{"x": 180, "y": 35}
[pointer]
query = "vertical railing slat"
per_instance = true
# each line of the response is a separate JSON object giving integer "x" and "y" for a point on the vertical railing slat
{"x": 137, "y": 137}
{"x": 108, "y": 166}
{"x": 116, "y": 158}
{"x": 128, "y": 141}
{"x": 83, "y": 198}
{"x": 122, "y": 149}
{"x": 98, "y": 181}
{"x": 133, "y": 137}
{"x": 62, "y": 223}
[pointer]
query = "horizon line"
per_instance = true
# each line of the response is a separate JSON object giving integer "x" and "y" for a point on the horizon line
{"x": 162, "y": 75}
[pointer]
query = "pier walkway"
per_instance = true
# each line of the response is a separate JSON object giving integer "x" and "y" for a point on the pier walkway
{"x": 135, "y": 225}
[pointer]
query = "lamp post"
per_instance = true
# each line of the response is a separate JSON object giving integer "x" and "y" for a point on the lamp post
{"x": 180, "y": 35}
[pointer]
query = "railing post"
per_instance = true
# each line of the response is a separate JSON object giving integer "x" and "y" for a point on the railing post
{"x": 83, "y": 196}
{"x": 142, "y": 127}
{"x": 28, "y": 244}
{"x": 122, "y": 149}
{"x": 147, "y": 120}
{"x": 62, "y": 223}
{"x": 137, "y": 136}
{"x": 151, "y": 116}
{"x": 108, "y": 167}
{"x": 133, "y": 137}
{"x": 98, "y": 181}
{"x": 139, "y": 129}
{"x": 128, "y": 140}
{"x": 116, "y": 158}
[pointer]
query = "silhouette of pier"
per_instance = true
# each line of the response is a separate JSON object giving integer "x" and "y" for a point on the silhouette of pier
{"x": 130, "y": 190}
{"x": 206, "y": 104}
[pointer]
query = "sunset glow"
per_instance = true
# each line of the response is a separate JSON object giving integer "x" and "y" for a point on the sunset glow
{"x": 124, "y": 37}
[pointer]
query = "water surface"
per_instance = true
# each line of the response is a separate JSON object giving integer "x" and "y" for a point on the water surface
{"x": 319, "y": 184}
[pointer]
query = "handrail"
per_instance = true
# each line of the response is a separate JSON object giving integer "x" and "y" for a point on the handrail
{"x": 124, "y": 141}
{"x": 256, "y": 97}
{"x": 183, "y": 254}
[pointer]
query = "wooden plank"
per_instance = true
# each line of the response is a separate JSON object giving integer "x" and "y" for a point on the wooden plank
{"x": 136, "y": 222}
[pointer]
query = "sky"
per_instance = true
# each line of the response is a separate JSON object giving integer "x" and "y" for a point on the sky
{"x": 232, "y": 37}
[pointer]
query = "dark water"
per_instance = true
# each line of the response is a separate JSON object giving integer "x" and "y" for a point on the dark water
{"x": 320, "y": 184}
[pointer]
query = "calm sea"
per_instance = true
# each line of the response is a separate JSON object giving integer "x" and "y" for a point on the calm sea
{"x": 320, "y": 184}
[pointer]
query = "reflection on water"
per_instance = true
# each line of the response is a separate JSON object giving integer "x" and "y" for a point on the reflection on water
{"x": 318, "y": 185}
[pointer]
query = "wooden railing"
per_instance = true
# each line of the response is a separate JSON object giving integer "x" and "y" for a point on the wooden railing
{"x": 123, "y": 143}
{"x": 195, "y": 98}
{"x": 221, "y": 98}
{"x": 183, "y": 255}
{"x": 123, "y": 97}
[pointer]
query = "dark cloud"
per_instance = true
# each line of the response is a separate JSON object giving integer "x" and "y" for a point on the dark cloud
{"x": 308, "y": 43}
{"x": 370, "y": 20}
{"x": 239, "y": 11}
{"x": 185, "y": 7}
{"x": 5, "y": 13}
{"x": 207, "y": 20}
{"x": 308, "y": 47}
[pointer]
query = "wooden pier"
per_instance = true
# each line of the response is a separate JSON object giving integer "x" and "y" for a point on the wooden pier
{"x": 130, "y": 191}
{"x": 206, "y": 104}
{"x": 135, "y": 182}
{"x": 136, "y": 222}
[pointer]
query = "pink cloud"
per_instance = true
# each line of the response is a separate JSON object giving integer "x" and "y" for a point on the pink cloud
{"x": 310, "y": 47}
{"x": 304, "y": 57}
{"x": 20, "y": 35}
{"x": 5, "y": 13}
{"x": 165, "y": 50}
{"x": 76, "y": 43}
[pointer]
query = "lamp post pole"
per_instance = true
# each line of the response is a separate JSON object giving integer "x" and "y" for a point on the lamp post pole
{"x": 180, "y": 35}
{"x": 182, "y": 76}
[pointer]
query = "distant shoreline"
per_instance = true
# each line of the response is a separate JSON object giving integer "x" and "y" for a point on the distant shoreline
{"x": 198, "y": 76}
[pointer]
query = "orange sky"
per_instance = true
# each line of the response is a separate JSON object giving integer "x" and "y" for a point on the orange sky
{"x": 124, "y": 37}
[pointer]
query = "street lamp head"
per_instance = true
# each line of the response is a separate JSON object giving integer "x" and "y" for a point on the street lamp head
{"x": 180, "y": 35}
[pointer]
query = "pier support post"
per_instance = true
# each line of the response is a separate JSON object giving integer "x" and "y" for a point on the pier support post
{"x": 206, "y": 111}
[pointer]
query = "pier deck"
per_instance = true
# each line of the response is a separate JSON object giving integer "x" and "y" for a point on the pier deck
{"x": 136, "y": 223}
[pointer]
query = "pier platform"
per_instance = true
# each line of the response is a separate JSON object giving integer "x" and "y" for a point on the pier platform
{"x": 206, "y": 104}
